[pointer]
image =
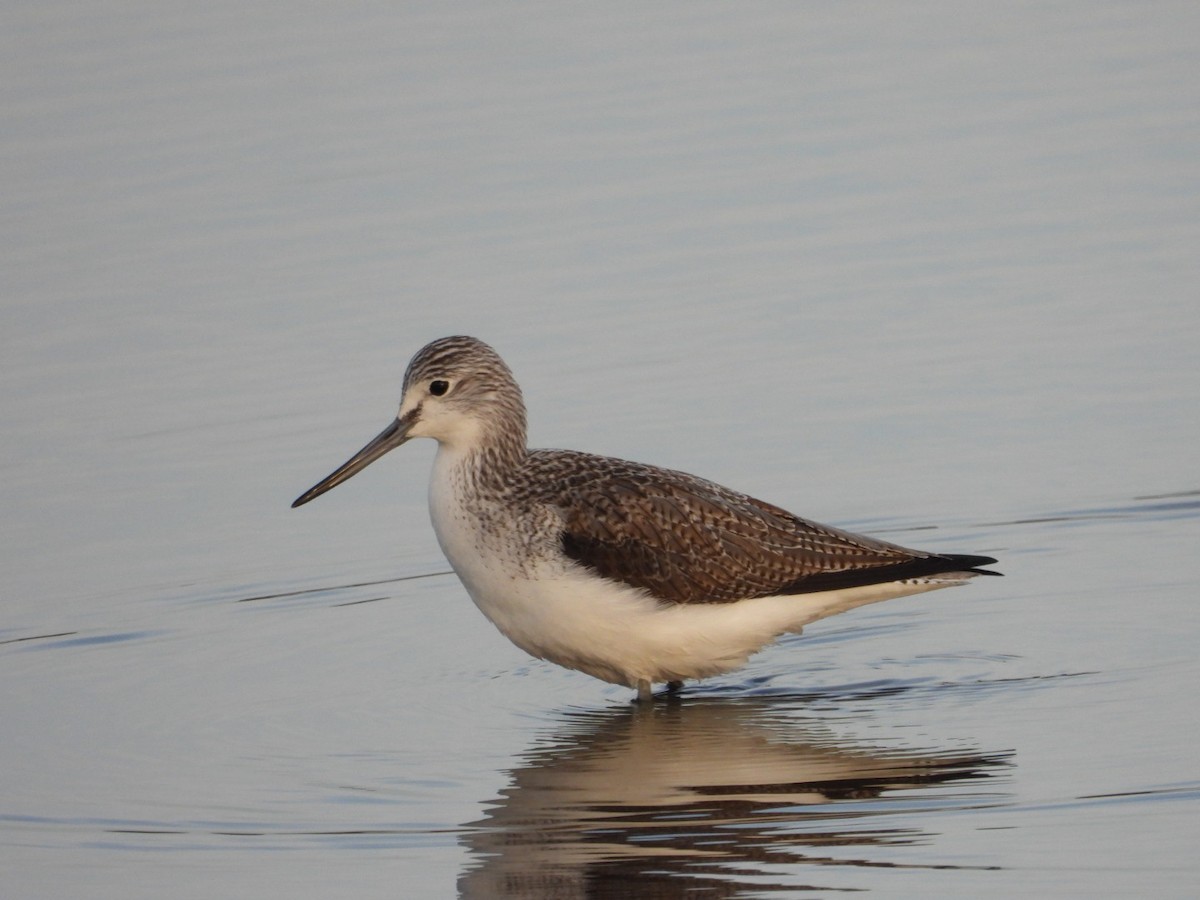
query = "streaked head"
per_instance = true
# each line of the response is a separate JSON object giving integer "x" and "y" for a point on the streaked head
{"x": 458, "y": 391}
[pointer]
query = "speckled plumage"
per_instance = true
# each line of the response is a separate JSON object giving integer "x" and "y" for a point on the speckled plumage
{"x": 595, "y": 562}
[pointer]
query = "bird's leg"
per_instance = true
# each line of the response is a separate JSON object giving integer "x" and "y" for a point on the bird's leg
{"x": 645, "y": 692}
{"x": 674, "y": 687}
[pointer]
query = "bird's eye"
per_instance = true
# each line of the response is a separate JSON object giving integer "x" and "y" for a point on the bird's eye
{"x": 438, "y": 387}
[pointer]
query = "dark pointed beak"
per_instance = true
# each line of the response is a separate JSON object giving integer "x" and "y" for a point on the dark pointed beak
{"x": 388, "y": 439}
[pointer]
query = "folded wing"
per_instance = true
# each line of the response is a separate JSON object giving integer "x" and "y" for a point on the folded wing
{"x": 687, "y": 540}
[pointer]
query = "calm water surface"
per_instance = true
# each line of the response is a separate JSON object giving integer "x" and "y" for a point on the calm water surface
{"x": 917, "y": 272}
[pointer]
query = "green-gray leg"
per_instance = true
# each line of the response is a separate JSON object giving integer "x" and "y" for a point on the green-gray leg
{"x": 645, "y": 690}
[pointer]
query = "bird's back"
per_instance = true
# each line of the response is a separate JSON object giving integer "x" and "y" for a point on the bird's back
{"x": 688, "y": 540}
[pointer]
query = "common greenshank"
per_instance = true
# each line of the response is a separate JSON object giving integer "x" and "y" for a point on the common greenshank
{"x": 633, "y": 574}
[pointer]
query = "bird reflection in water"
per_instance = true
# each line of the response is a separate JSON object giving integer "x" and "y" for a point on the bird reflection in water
{"x": 710, "y": 795}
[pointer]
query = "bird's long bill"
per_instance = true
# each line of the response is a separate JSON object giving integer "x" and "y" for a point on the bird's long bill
{"x": 388, "y": 439}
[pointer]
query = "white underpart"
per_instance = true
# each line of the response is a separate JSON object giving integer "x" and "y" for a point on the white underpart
{"x": 559, "y": 611}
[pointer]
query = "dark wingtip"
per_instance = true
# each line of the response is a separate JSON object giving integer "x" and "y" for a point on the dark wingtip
{"x": 973, "y": 564}
{"x": 918, "y": 567}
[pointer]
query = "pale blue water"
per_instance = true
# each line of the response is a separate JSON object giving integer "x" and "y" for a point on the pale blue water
{"x": 919, "y": 271}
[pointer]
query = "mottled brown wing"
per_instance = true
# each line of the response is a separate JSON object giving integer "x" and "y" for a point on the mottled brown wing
{"x": 687, "y": 540}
